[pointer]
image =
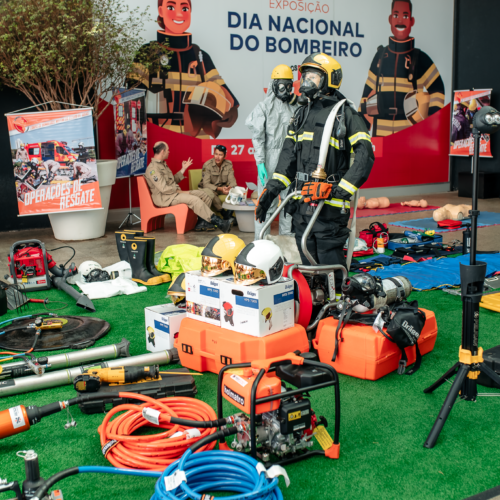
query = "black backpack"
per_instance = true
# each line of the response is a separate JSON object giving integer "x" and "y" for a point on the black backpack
{"x": 404, "y": 329}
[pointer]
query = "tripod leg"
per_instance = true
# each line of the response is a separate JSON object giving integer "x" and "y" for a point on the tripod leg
{"x": 441, "y": 380}
{"x": 447, "y": 406}
{"x": 490, "y": 373}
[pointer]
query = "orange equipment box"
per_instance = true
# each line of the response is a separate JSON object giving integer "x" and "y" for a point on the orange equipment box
{"x": 365, "y": 353}
{"x": 207, "y": 348}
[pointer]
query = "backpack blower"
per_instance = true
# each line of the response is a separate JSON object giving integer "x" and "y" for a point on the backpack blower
{"x": 32, "y": 269}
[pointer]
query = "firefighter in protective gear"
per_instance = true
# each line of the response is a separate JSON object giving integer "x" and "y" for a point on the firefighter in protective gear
{"x": 460, "y": 126}
{"x": 268, "y": 123}
{"x": 187, "y": 94}
{"x": 22, "y": 154}
{"x": 228, "y": 313}
{"x": 397, "y": 71}
{"x": 321, "y": 79}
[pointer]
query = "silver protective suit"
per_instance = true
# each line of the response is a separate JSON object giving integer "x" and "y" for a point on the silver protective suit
{"x": 268, "y": 123}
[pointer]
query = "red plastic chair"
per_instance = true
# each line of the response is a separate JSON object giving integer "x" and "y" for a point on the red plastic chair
{"x": 153, "y": 218}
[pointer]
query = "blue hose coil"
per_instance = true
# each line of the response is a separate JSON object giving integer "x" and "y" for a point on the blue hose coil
{"x": 212, "y": 471}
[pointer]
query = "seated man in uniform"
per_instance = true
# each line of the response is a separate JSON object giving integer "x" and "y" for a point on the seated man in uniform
{"x": 217, "y": 177}
{"x": 165, "y": 191}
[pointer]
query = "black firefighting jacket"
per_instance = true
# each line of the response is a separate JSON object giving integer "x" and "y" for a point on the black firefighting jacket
{"x": 300, "y": 154}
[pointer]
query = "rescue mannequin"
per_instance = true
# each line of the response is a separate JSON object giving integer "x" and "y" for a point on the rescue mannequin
{"x": 335, "y": 181}
{"x": 268, "y": 123}
{"x": 415, "y": 203}
{"x": 382, "y": 202}
{"x": 451, "y": 212}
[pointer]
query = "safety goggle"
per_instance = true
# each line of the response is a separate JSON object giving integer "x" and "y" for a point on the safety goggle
{"x": 247, "y": 275}
{"x": 212, "y": 266}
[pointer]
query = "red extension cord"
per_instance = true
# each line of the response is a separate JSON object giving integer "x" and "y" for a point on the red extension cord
{"x": 152, "y": 451}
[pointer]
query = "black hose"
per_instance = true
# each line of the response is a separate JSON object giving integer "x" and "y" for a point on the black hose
{"x": 65, "y": 246}
{"x": 43, "y": 490}
{"x": 220, "y": 434}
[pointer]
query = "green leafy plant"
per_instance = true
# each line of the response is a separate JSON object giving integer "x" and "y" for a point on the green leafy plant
{"x": 73, "y": 51}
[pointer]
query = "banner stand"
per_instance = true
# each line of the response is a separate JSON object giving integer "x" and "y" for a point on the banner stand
{"x": 130, "y": 216}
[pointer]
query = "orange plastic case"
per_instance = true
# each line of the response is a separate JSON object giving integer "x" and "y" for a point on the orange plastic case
{"x": 207, "y": 348}
{"x": 365, "y": 353}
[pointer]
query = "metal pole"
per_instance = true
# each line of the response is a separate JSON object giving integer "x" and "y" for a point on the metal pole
{"x": 303, "y": 241}
{"x": 74, "y": 358}
{"x": 475, "y": 194}
{"x": 65, "y": 377}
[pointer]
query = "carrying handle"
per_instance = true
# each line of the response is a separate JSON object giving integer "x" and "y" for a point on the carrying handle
{"x": 267, "y": 364}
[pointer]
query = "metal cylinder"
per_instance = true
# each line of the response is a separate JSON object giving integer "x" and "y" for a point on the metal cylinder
{"x": 76, "y": 358}
{"x": 391, "y": 291}
{"x": 65, "y": 377}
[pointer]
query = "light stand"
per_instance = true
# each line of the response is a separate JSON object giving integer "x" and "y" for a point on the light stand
{"x": 130, "y": 216}
{"x": 472, "y": 276}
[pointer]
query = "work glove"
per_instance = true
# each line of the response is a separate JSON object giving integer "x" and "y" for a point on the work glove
{"x": 312, "y": 191}
{"x": 264, "y": 202}
{"x": 341, "y": 194}
{"x": 261, "y": 169}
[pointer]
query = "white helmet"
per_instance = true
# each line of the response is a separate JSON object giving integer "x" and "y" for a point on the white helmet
{"x": 259, "y": 260}
{"x": 35, "y": 161}
{"x": 80, "y": 144}
{"x": 86, "y": 267}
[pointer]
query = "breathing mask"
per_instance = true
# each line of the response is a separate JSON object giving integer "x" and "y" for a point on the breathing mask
{"x": 283, "y": 90}
{"x": 311, "y": 82}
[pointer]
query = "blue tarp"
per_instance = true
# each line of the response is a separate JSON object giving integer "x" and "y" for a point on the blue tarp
{"x": 437, "y": 273}
{"x": 485, "y": 219}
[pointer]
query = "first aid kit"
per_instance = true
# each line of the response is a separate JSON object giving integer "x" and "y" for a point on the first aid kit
{"x": 374, "y": 231}
{"x": 162, "y": 326}
{"x": 257, "y": 310}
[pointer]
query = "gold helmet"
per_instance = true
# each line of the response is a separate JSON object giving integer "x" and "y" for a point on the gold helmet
{"x": 327, "y": 65}
{"x": 219, "y": 255}
{"x": 282, "y": 72}
{"x": 473, "y": 105}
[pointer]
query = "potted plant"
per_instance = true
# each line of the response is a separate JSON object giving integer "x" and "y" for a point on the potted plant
{"x": 61, "y": 53}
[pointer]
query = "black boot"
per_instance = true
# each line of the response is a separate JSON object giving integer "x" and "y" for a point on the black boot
{"x": 150, "y": 260}
{"x": 137, "y": 253}
{"x": 203, "y": 225}
{"x": 121, "y": 245}
{"x": 226, "y": 214}
{"x": 223, "y": 225}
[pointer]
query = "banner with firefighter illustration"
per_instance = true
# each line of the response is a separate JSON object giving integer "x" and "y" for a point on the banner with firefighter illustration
{"x": 54, "y": 161}
{"x": 466, "y": 103}
{"x": 129, "y": 111}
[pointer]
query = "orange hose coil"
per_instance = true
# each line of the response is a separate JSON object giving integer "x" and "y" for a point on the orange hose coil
{"x": 152, "y": 451}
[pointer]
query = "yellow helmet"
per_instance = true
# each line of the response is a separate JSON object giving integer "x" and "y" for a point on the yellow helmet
{"x": 282, "y": 72}
{"x": 219, "y": 255}
{"x": 267, "y": 313}
{"x": 328, "y": 65}
{"x": 473, "y": 105}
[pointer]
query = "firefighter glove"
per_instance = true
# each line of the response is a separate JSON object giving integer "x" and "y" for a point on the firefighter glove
{"x": 264, "y": 202}
{"x": 312, "y": 191}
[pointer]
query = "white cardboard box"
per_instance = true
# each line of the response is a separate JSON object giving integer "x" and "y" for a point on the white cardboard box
{"x": 257, "y": 310}
{"x": 203, "y": 297}
{"x": 162, "y": 324}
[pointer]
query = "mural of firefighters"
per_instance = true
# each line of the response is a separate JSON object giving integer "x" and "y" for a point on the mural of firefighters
{"x": 40, "y": 164}
{"x": 188, "y": 95}
{"x": 404, "y": 85}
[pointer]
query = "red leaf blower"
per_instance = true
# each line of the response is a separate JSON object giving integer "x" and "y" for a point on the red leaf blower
{"x": 33, "y": 269}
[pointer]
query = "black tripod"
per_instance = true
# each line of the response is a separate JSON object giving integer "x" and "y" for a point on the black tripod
{"x": 472, "y": 283}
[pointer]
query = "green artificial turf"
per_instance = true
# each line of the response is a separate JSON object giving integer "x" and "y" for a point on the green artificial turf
{"x": 383, "y": 426}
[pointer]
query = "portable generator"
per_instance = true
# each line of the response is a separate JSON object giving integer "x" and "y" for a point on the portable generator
{"x": 29, "y": 265}
{"x": 278, "y": 420}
